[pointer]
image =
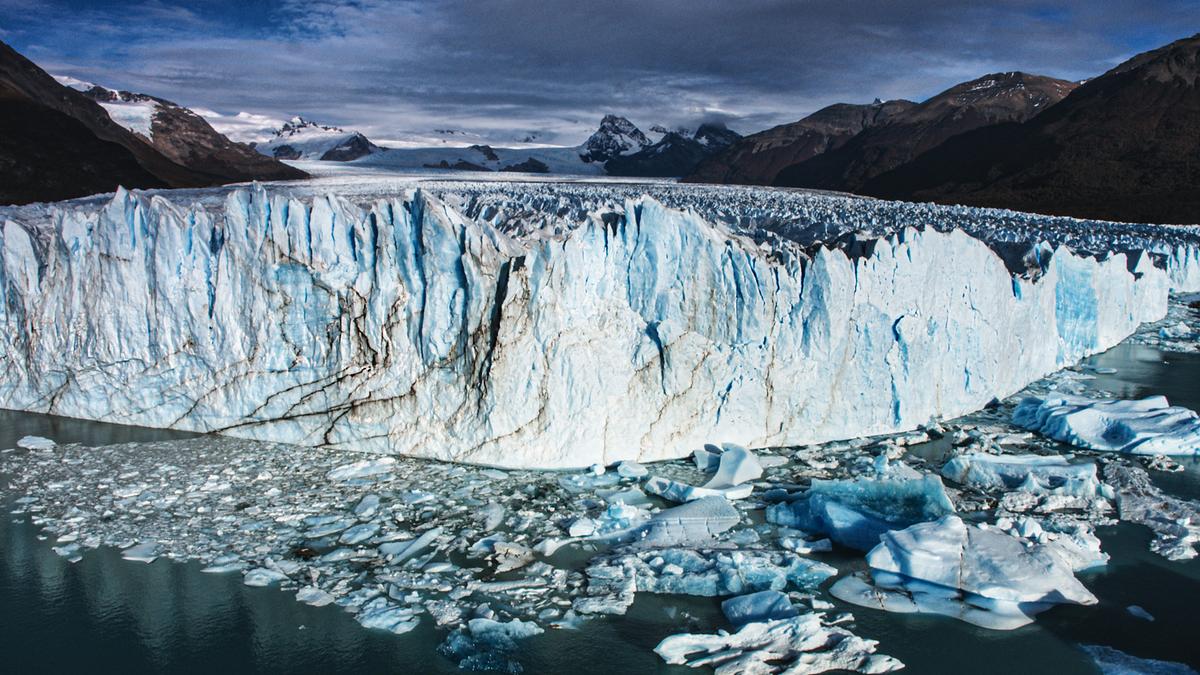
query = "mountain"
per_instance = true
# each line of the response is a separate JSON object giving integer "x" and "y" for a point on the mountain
{"x": 1123, "y": 146}
{"x": 758, "y": 158}
{"x": 616, "y": 137}
{"x": 989, "y": 100}
{"x": 675, "y": 154}
{"x": 57, "y": 143}
{"x": 304, "y": 139}
{"x": 183, "y": 136}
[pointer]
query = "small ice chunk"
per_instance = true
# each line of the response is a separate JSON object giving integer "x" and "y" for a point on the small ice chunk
{"x": 382, "y": 614}
{"x": 1140, "y": 612}
{"x": 362, "y": 469}
{"x": 736, "y": 466}
{"x": 36, "y": 443}
{"x": 367, "y": 507}
{"x": 263, "y": 576}
{"x": 1149, "y": 426}
{"x": 311, "y": 595}
{"x": 146, "y": 552}
{"x": 760, "y": 606}
{"x": 631, "y": 469}
{"x": 359, "y": 534}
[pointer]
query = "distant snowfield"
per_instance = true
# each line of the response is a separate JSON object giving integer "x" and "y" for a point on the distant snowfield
{"x": 543, "y": 322}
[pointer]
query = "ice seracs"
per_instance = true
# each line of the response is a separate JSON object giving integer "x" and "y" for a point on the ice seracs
{"x": 974, "y": 573}
{"x": 409, "y": 318}
{"x": 1149, "y": 426}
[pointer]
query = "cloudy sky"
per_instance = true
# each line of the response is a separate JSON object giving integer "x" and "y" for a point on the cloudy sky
{"x": 507, "y": 68}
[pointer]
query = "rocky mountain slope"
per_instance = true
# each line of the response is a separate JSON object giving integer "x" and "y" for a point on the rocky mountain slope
{"x": 58, "y": 143}
{"x": 183, "y": 136}
{"x": 758, "y": 158}
{"x": 986, "y": 101}
{"x": 1125, "y": 146}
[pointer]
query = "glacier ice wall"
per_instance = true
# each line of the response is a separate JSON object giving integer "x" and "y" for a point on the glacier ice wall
{"x": 400, "y": 325}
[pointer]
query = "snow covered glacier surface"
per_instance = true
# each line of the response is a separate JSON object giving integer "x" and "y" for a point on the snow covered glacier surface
{"x": 439, "y": 324}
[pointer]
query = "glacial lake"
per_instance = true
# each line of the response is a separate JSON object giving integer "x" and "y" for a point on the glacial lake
{"x": 105, "y": 614}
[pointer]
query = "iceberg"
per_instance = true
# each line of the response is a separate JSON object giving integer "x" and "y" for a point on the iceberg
{"x": 1150, "y": 426}
{"x": 973, "y": 573}
{"x": 552, "y": 326}
{"x": 488, "y": 645}
{"x": 856, "y": 512}
{"x": 1039, "y": 474}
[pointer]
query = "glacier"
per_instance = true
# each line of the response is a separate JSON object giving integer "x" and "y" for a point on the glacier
{"x": 552, "y": 325}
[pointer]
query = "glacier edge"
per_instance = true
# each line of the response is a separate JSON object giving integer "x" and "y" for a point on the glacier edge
{"x": 401, "y": 325}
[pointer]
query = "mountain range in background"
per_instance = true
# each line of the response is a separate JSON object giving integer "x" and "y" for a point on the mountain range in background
{"x": 1121, "y": 146}
{"x": 1124, "y": 145}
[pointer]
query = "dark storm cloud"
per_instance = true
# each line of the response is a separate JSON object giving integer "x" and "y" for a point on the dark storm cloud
{"x": 506, "y": 66}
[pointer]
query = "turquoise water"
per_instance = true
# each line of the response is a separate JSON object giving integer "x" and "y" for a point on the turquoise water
{"x": 107, "y": 614}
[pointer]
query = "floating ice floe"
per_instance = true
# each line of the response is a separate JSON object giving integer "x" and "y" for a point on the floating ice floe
{"x": 1115, "y": 662}
{"x": 980, "y": 575}
{"x": 146, "y": 552}
{"x": 1039, "y": 474}
{"x": 796, "y": 645}
{"x": 36, "y": 443}
{"x": 1149, "y": 426}
{"x": 855, "y": 512}
{"x": 695, "y": 521}
{"x": 735, "y": 467}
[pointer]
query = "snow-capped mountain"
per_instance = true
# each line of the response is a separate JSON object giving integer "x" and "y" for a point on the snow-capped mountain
{"x": 299, "y": 138}
{"x": 616, "y": 137}
{"x": 675, "y": 154}
{"x": 180, "y": 133}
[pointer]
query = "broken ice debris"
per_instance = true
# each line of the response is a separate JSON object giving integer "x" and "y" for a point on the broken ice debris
{"x": 980, "y": 575}
{"x": 736, "y": 466}
{"x": 36, "y": 443}
{"x": 1149, "y": 426}
{"x": 614, "y": 579}
{"x": 1037, "y": 474}
{"x": 795, "y": 645}
{"x": 1175, "y": 521}
{"x": 855, "y": 512}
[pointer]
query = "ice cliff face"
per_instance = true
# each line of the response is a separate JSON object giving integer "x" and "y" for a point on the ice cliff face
{"x": 400, "y": 325}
